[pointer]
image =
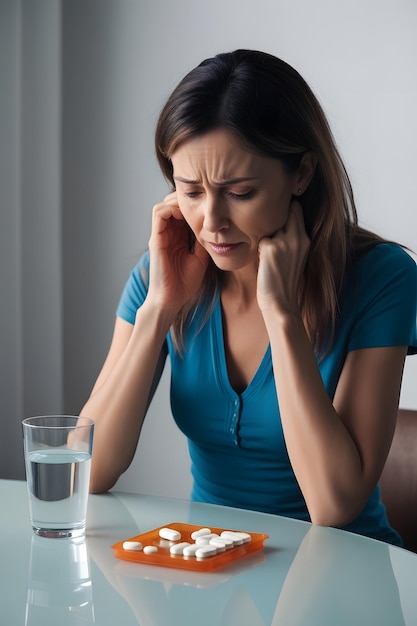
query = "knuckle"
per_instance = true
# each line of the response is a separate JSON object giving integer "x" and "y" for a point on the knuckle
{"x": 171, "y": 196}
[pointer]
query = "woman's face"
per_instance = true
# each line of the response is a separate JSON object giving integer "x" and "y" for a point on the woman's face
{"x": 231, "y": 197}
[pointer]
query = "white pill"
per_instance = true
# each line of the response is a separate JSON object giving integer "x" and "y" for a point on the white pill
{"x": 228, "y": 534}
{"x": 200, "y": 533}
{"x": 238, "y": 537}
{"x": 132, "y": 545}
{"x": 190, "y": 550}
{"x": 170, "y": 534}
{"x": 218, "y": 543}
{"x": 205, "y": 551}
{"x": 246, "y": 537}
{"x": 205, "y": 539}
{"x": 202, "y": 541}
{"x": 179, "y": 547}
{"x": 229, "y": 543}
{"x": 150, "y": 549}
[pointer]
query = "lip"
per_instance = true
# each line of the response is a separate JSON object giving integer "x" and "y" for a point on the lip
{"x": 223, "y": 248}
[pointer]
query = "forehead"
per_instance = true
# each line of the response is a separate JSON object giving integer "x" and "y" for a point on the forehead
{"x": 217, "y": 154}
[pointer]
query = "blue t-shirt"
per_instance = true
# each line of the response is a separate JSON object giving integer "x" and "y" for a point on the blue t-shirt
{"x": 236, "y": 442}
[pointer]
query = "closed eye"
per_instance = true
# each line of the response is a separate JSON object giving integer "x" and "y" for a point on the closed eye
{"x": 241, "y": 196}
{"x": 235, "y": 196}
{"x": 192, "y": 194}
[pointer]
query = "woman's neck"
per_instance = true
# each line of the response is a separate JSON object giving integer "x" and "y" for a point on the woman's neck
{"x": 240, "y": 285}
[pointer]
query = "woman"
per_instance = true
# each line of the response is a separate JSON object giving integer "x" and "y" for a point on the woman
{"x": 287, "y": 325}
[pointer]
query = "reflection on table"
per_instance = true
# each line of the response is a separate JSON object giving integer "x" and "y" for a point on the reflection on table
{"x": 306, "y": 575}
{"x": 59, "y": 583}
{"x": 360, "y": 587}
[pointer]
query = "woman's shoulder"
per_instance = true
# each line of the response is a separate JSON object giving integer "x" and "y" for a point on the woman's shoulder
{"x": 382, "y": 256}
{"x": 135, "y": 290}
{"x": 380, "y": 298}
{"x": 384, "y": 272}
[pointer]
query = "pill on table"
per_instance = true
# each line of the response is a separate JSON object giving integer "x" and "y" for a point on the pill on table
{"x": 246, "y": 537}
{"x": 150, "y": 549}
{"x": 190, "y": 550}
{"x": 170, "y": 534}
{"x": 229, "y": 543}
{"x": 179, "y": 547}
{"x": 132, "y": 545}
{"x": 218, "y": 544}
{"x": 205, "y": 551}
{"x": 205, "y": 539}
{"x": 228, "y": 534}
{"x": 200, "y": 533}
{"x": 238, "y": 537}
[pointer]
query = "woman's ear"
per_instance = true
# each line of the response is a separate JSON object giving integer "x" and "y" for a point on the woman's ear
{"x": 305, "y": 172}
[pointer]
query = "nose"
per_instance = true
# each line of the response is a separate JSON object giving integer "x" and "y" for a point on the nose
{"x": 215, "y": 214}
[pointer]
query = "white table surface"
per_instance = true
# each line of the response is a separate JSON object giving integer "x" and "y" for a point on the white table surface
{"x": 306, "y": 575}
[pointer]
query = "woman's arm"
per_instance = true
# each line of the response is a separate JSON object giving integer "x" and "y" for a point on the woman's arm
{"x": 337, "y": 450}
{"x": 121, "y": 395}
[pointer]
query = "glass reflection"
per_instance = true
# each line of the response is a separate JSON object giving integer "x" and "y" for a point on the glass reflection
{"x": 59, "y": 585}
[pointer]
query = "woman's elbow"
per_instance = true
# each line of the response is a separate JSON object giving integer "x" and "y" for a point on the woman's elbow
{"x": 100, "y": 483}
{"x": 98, "y": 488}
{"x": 336, "y": 514}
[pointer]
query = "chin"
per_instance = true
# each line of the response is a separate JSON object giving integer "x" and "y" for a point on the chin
{"x": 233, "y": 265}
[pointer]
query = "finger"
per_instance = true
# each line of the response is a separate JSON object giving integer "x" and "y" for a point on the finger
{"x": 171, "y": 197}
{"x": 166, "y": 210}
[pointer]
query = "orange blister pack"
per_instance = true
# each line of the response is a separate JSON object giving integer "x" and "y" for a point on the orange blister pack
{"x": 164, "y": 558}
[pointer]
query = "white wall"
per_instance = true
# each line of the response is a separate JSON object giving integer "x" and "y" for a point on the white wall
{"x": 120, "y": 59}
{"x": 30, "y": 276}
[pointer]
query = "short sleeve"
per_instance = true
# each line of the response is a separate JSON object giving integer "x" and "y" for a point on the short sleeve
{"x": 385, "y": 293}
{"x": 135, "y": 290}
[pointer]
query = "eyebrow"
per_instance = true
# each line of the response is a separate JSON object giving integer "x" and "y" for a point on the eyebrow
{"x": 223, "y": 183}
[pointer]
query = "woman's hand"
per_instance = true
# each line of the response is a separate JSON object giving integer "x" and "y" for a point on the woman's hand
{"x": 176, "y": 272}
{"x": 282, "y": 258}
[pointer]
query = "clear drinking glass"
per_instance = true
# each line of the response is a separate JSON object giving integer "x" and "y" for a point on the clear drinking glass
{"x": 58, "y": 460}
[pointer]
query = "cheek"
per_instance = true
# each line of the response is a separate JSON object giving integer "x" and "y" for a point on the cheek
{"x": 190, "y": 217}
{"x": 185, "y": 211}
{"x": 271, "y": 219}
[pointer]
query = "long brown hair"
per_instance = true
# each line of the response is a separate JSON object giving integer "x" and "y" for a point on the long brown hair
{"x": 270, "y": 108}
